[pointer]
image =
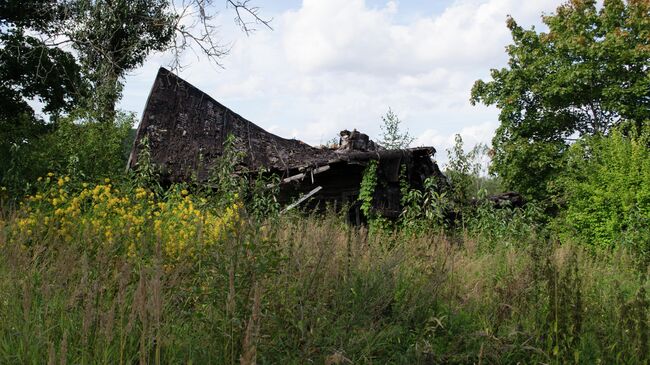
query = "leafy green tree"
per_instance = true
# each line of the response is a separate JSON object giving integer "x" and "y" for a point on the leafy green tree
{"x": 392, "y": 136}
{"x": 105, "y": 39}
{"x": 113, "y": 37}
{"x": 31, "y": 70}
{"x": 587, "y": 74}
{"x": 72, "y": 56}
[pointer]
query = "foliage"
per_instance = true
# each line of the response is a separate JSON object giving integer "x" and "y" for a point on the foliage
{"x": 30, "y": 69}
{"x": 392, "y": 137}
{"x": 108, "y": 39}
{"x": 586, "y": 75}
{"x": 103, "y": 152}
{"x": 507, "y": 226}
{"x": 78, "y": 285}
{"x": 122, "y": 217}
{"x": 607, "y": 186}
{"x": 224, "y": 180}
{"x": 231, "y": 182}
{"x": 464, "y": 171}
{"x": 145, "y": 173}
{"x": 114, "y": 37}
{"x": 262, "y": 196}
{"x": 367, "y": 198}
{"x": 424, "y": 209}
{"x": 367, "y": 188}
{"x": 79, "y": 147}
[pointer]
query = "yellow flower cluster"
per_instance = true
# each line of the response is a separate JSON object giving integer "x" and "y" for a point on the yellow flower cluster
{"x": 134, "y": 221}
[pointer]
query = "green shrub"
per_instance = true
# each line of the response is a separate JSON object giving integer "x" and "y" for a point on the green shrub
{"x": 503, "y": 227}
{"x": 607, "y": 192}
{"x": 77, "y": 145}
{"x": 86, "y": 148}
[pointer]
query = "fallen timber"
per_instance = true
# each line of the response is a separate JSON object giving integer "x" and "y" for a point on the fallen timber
{"x": 186, "y": 130}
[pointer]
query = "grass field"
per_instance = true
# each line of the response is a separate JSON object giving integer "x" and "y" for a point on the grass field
{"x": 99, "y": 275}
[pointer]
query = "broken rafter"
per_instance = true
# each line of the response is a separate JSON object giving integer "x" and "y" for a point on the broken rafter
{"x": 302, "y": 199}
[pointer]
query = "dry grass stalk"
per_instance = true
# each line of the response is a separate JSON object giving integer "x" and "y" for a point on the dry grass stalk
{"x": 51, "y": 354}
{"x": 90, "y": 312}
{"x": 63, "y": 358}
{"x": 83, "y": 283}
{"x": 108, "y": 323}
{"x": 140, "y": 306}
{"x": 27, "y": 300}
{"x": 249, "y": 346}
{"x": 123, "y": 280}
{"x": 230, "y": 300}
{"x": 156, "y": 300}
{"x": 337, "y": 358}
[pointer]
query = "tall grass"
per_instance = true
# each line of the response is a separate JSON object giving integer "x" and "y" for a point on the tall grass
{"x": 296, "y": 290}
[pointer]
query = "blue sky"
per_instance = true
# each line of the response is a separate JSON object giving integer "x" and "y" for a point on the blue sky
{"x": 330, "y": 65}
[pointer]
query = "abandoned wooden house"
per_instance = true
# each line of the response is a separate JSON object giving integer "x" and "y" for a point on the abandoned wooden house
{"x": 186, "y": 130}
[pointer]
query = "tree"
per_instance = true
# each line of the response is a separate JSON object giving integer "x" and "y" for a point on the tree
{"x": 74, "y": 54}
{"x": 587, "y": 74}
{"x": 112, "y": 37}
{"x": 108, "y": 38}
{"x": 31, "y": 70}
{"x": 392, "y": 136}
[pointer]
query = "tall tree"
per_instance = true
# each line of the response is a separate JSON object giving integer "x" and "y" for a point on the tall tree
{"x": 108, "y": 38}
{"x": 113, "y": 37}
{"x": 31, "y": 71}
{"x": 587, "y": 74}
{"x": 67, "y": 54}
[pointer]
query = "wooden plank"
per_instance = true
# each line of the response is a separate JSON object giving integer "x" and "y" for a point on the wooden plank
{"x": 302, "y": 175}
{"x": 304, "y": 197}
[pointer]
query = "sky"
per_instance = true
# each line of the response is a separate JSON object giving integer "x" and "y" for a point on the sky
{"x": 330, "y": 65}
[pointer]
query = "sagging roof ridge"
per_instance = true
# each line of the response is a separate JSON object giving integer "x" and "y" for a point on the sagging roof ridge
{"x": 170, "y": 97}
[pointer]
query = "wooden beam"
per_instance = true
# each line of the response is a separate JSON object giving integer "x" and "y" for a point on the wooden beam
{"x": 302, "y": 175}
{"x": 302, "y": 199}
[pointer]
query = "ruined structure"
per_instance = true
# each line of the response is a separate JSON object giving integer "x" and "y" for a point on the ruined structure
{"x": 186, "y": 130}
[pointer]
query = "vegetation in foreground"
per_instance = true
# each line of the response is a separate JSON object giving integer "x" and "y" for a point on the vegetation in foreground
{"x": 121, "y": 273}
{"x": 120, "y": 270}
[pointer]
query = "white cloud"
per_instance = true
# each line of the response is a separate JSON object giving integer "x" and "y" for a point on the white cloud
{"x": 472, "y": 135}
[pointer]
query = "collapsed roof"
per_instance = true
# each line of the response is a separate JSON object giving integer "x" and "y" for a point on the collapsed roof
{"x": 186, "y": 130}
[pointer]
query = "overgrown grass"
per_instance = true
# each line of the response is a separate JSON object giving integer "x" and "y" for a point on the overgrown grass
{"x": 296, "y": 290}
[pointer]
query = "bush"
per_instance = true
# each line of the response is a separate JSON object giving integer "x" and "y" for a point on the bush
{"x": 607, "y": 192}
{"x": 88, "y": 149}
{"x": 78, "y": 145}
